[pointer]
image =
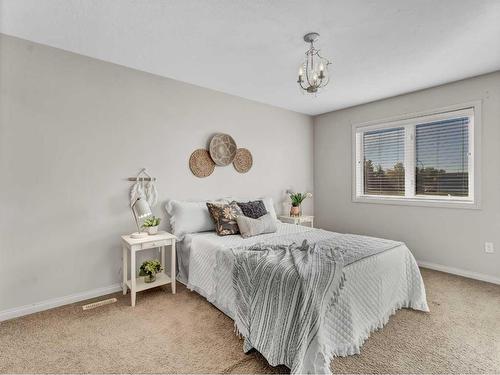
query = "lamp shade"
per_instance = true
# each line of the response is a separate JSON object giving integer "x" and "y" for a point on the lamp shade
{"x": 141, "y": 208}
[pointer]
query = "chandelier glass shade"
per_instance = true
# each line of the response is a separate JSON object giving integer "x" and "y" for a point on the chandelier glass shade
{"x": 313, "y": 72}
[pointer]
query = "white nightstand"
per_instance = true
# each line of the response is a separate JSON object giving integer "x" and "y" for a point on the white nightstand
{"x": 297, "y": 220}
{"x": 133, "y": 245}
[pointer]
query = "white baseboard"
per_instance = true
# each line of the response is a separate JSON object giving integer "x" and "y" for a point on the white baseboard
{"x": 55, "y": 302}
{"x": 460, "y": 272}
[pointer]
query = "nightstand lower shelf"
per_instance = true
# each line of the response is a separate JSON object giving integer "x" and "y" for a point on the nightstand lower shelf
{"x": 140, "y": 284}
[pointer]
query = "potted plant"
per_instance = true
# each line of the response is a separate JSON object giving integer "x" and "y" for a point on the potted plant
{"x": 297, "y": 199}
{"x": 149, "y": 269}
{"x": 151, "y": 224}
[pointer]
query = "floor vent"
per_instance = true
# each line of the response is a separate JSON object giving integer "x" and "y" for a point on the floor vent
{"x": 99, "y": 303}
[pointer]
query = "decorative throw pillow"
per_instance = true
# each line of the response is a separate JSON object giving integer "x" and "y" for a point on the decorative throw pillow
{"x": 251, "y": 227}
{"x": 224, "y": 217}
{"x": 268, "y": 202}
{"x": 253, "y": 209}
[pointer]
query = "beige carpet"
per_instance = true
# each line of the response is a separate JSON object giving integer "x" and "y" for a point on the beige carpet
{"x": 184, "y": 333}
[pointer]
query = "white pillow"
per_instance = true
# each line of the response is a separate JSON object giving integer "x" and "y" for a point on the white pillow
{"x": 189, "y": 217}
{"x": 268, "y": 202}
{"x": 251, "y": 227}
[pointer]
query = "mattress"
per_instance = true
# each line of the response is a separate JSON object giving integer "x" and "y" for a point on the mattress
{"x": 375, "y": 287}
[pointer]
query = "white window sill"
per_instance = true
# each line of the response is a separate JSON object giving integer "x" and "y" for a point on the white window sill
{"x": 423, "y": 202}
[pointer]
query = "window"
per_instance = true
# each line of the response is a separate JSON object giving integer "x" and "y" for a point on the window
{"x": 423, "y": 160}
{"x": 442, "y": 157}
{"x": 384, "y": 171}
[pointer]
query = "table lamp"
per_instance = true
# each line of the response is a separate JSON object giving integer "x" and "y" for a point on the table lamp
{"x": 140, "y": 209}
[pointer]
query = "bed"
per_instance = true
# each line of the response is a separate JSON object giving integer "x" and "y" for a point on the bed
{"x": 375, "y": 287}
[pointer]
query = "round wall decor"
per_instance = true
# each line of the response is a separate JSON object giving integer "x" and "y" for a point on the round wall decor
{"x": 222, "y": 149}
{"x": 201, "y": 164}
{"x": 243, "y": 160}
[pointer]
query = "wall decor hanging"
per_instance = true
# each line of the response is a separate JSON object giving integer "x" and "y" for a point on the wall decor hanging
{"x": 144, "y": 187}
{"x": 222, "y": 149}
{"x": 242, "y": 160}
{"x": 201, "y": 164}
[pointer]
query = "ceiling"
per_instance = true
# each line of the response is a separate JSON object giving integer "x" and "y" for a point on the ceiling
{"x": 252, "y": 48}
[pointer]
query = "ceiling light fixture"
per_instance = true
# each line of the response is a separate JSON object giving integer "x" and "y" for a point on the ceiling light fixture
{"x": 313, "y": 72}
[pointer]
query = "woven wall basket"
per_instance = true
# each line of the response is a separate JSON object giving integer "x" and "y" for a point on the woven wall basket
{"x": 243, "y": 160}
{"x": 222, "y": 149}
{"x": 201, "y": 164}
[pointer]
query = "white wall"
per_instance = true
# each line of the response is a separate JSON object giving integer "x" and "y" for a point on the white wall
{"x": 72, "y": 129}
{"x": 444, "y": 236}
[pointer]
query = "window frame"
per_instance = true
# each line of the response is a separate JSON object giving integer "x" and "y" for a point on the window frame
{"x": 409, "y": 122}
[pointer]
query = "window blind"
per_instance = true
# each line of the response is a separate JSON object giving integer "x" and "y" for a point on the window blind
{"x": 423, "y": 160}
{"x": 442, "y": 153}
{"x": 384, "y": 172}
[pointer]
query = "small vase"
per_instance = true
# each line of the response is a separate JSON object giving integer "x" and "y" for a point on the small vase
{"x": 152, "y": 230}
{"x": 295, "y": 211}
{"x": 149, "y": 278}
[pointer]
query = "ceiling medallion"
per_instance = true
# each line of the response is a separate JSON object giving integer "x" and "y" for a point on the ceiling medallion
{"x": 313, "y": 72}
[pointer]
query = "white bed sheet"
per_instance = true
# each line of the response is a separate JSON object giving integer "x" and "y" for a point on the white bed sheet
{"x": 375, "y": 286}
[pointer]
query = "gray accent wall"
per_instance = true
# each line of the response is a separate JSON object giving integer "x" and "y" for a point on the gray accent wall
{"x": 72, "y": 129}
{"x": 449, "y": 237}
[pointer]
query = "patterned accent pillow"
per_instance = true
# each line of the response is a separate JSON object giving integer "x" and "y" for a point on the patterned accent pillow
{"x": 253, "y": 209}
{"x": 224, "y": 217}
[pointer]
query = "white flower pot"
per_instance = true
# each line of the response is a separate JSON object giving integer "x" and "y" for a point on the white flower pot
{"x": 152, "y": 230}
